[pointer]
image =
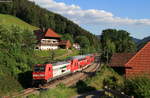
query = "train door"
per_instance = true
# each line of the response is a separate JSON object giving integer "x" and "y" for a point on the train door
{"x": 49, "y": 72}
{"x": 74, "y": 65}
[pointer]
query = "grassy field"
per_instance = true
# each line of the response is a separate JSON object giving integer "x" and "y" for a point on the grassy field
{"x": 11, "y": 20}
{"x": 54, "y": 55}
{"x": 74, "y": 53}
{"x": 47, "y": 53}
{"x": 61, "y": 91}
{"x": 8, "y": 85}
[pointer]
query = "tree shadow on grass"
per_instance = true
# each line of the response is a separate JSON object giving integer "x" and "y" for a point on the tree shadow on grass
{"x": 86, "y": 91}
{"x": 89, "y": 74}
{"x": 94, "y": 94}
{"x": 82, "y": 87}
{"x": 25, "y": 79}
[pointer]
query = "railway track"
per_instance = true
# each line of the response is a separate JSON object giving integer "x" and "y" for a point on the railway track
{"x": 68, "y": 80}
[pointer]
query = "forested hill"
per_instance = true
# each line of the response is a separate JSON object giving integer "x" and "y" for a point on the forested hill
{"x": 40, "y": 17}
{"x": 142, "y": 42}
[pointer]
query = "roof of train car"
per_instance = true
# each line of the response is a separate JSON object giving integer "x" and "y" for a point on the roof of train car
{"x": 89, "y": 54}
{"x": 78, "y": 57}
{"x": 60, "y": 63}
{"x": 65, "y": 62}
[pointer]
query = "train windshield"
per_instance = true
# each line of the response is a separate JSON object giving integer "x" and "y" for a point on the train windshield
{"x": 68, "y": 59}
{"x": 39, "y": 68}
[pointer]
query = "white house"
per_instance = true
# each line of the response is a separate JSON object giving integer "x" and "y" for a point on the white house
{"x": 48, "y": 40}
{"x": 76, "y": 46}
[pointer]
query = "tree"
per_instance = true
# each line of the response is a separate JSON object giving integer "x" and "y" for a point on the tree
{"x": 17, "y": 49}
{"x": 118, "y": 41}
{"x": 83, "y": 41}
{"x": 68, "y": 37}
{"x": 84, "y": 44}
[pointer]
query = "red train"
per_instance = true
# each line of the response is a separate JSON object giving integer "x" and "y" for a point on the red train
{"x": 43, "y": 73}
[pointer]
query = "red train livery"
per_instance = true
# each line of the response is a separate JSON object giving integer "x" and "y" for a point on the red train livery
{"x": 43, "y": 73}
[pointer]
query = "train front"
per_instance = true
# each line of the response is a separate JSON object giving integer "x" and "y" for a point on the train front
{"x": 39, "y": 75}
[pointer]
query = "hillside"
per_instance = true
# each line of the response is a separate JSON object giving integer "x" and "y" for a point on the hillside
{"x": 135, "y": 40}
{"x": 146, "y": 39}
{"x": 142, "y": 42}
{"x": 35, "y": 15}
{"x": 11, "y": 20}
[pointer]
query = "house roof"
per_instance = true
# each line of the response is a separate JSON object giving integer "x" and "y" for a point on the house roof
{"x": 120, "y": 59}
{"x": 142, "y": 57}
{"x": 51, "y": 33}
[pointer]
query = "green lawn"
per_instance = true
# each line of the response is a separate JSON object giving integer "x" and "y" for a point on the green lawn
{"x": 12, "y": 20}
{"x": 47, "y": 53}
{"x": 61, "y": 91}
{"x": 74, "y": 53}
{"x": 58, "y": 55}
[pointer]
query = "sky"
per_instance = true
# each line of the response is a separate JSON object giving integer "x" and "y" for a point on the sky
{"x": 97, "y": 15}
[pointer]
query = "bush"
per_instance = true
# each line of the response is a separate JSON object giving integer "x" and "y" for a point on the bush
{"x": 138, "y": 87}
{"x": 106, "y": 76}
{"x": 16, "y": 55}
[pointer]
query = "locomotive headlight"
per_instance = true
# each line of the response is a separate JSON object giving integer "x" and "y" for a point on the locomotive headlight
{"x": 36, "y": 75}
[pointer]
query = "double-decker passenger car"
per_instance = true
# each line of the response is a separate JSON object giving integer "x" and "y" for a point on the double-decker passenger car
{"x": 43, "y": 73}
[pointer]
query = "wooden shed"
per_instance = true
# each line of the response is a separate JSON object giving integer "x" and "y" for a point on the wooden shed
{"x": 118, "y": 61}
{"x": 66, "y": 44}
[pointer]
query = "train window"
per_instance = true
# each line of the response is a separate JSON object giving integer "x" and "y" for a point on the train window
{"x": 81, "y": 59}
{"x": 63, "y": 70}
{"x": 39, "y": 68}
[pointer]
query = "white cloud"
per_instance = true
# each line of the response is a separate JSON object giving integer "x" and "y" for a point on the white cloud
{"x": 95, "y": 20}
{"x": 91, "y": 16}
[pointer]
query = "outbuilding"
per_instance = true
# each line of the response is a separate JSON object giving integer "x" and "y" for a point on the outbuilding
{"x": 118, "y": 61}
{"x": 139, "y": 64}
{"x": 132, "y": 64}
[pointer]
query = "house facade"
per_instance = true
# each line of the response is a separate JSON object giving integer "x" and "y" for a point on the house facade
{"x": 46, "y": 44}
{"x": 76, "y": 46}
{"x": 48, "y": 39}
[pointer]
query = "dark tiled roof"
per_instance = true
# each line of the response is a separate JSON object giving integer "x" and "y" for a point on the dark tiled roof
{"x": 120, "y": 59}
{"x": 141, "y": 58}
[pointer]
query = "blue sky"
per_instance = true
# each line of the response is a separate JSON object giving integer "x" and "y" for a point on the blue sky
{"x": 97, "y": 15}
{"x": 124, "y": 8}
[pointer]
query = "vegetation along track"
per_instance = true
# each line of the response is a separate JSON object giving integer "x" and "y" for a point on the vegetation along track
{"x": 68, "y": 80}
